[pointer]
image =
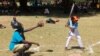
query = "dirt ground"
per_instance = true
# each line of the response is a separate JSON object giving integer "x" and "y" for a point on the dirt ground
{"x": 53, "y": 36}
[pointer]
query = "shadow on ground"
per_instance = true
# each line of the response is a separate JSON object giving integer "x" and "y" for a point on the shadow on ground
{"x": 28, "y": 53}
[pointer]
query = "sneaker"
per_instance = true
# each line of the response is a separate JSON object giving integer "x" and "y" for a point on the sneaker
{"x": 82, "y": 48}
{"x": 66, "y": 48}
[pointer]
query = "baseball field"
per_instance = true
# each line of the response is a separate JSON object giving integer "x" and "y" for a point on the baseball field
{"x": 53, "y": 36}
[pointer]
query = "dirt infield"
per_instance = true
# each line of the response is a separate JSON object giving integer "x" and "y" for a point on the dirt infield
{"x": 53, "y": 36}
{"x": 75, "y": 54}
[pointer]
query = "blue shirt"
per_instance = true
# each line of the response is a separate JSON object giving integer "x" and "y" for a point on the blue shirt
{"x": 16, "y": 39}
{"x": 72, "y": 25}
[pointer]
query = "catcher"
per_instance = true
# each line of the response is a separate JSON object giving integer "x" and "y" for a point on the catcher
{"x": 72, "y": 24}
{"x": 18, "y": 44}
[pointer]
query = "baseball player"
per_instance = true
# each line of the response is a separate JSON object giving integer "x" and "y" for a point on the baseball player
{"x": 72, "y": 24}
{"x": 18, "y": 44}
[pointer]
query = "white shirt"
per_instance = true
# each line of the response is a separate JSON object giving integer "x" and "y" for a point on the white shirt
{"x": 46, "y": 11}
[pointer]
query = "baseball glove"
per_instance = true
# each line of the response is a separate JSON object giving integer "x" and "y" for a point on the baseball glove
{"x": 40, "y": 23}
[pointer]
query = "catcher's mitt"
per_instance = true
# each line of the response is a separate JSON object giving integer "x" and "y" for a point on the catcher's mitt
{"x": 40, "y": 23}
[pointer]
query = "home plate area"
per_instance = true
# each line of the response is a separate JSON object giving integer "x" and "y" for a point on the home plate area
{"x": 75, "y": 52}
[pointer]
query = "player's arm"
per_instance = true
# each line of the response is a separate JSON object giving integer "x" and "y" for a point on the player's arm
{"x": 72, "y": 29}
{"x": 39, "y": 24}
{"x": 69, "y": 25}
{"x": 29, "y": 29}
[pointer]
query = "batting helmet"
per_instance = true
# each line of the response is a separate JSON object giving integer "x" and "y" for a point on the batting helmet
{"x": 15, "y": 24}
{"x": 74, "y": 18}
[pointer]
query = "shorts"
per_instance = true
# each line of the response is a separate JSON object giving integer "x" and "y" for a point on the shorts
{"x": 18, "y": 47}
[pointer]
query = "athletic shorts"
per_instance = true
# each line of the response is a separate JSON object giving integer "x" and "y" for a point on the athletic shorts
{"x": 18, "y": 47}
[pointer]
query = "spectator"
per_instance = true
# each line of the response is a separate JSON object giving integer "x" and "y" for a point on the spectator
{"x": 46, "y": 11}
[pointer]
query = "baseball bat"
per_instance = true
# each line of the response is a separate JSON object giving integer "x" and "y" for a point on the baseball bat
{"x": 72, "y": 8}
{"x": 71, "y": 11}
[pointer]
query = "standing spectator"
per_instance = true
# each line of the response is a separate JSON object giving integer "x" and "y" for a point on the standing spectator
{"x": 46, "y": 11}
{"x": 13, "y": 6}
{"x": 98, "y": 6}
{"x": 5, "y": 6}
{"x": 79, "y": 7}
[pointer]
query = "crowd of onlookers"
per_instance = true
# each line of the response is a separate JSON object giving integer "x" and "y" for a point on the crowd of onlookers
{"x": 80, "y": 7}
{"x": 7, "y": 6}
{"x": 85, "y": 7}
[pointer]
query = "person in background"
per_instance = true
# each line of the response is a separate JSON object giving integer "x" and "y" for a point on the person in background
{"x": 46, "y": 11}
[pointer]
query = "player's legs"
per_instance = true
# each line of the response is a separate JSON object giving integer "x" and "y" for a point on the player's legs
{"x": 67, "y": 42}
{"x": 20, "y": 49}
{"x": 17, "y": 49}
{"x": 79, "y": 41}
{"x": 69, "y": 38}
{"x": 78, "y": 38}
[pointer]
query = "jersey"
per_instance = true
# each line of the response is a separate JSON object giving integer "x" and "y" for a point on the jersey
{"x": 16, "y": 39}
{"x": 72, "y": 25}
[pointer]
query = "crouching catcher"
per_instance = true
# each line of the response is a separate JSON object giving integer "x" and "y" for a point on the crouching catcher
{"x": 18, "y": 44}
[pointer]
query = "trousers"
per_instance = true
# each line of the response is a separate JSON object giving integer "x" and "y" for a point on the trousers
{"x": 77, "y": 35}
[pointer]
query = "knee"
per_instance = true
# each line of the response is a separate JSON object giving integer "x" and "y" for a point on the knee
{"x": 27, "y": 46}
{"x": 69, "y": 37}
{"x": 78, "y": 37}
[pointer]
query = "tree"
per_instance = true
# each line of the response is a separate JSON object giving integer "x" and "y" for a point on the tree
{"x": 67, "y": 5}
{"x": 23, "y": 5}
{"x": 13, "y": 5}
